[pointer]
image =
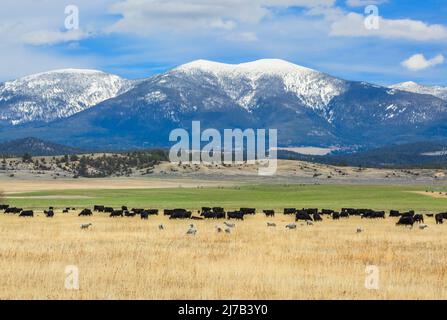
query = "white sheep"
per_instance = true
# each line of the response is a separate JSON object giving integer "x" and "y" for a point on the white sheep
{"x": 191, "y": 230}
{"x": 85, "y": 226}
{"x": 227, "y": 230}
{"x": 271, "y": 224}
{"x": 309, "y": 223}
{"x": 229, "y": 225}
{"x": 423, "y": 226}
{"x": 359, "y": 230}
{"x": 291, "y": 226}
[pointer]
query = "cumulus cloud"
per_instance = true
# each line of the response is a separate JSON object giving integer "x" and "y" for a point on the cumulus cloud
{"x": 419, "y": 62}
{"x": 144, "y": 17}
{"x": 353, "y": 25}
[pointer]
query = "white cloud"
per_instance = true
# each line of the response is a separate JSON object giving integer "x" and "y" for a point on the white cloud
{"x": 146, "y": 17}
{"x": 49, "y": 37}
{"x": 364, "y": 3}
{"x": 419, "y": 62}
{"x": 353, "y": 25}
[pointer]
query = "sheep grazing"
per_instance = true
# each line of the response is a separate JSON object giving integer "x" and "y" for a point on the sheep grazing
{"x": 161, "y": 227}
{"x": 270, "y": 224}
{"x": 423, "y": 226}
{"x": 359, "y": 230}
{"x": 191, "y": 231}
{"x": 229, "y": 225}
{"x": 227, "y": 230}
{"x": 85, "y": 226}
{"x": 291, "y": 226}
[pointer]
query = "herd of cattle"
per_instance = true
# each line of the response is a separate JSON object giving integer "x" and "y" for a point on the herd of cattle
{"x": 405, "y": 218}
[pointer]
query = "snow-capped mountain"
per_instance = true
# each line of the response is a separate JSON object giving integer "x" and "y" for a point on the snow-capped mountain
{"x": 48, "y": 96}
{"x": 410, "y": 86}
{"x": 306, "y": 106}
{"x": 244, "y": 82}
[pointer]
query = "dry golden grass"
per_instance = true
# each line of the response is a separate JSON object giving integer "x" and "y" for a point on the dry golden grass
{"x": 132, "y": 259}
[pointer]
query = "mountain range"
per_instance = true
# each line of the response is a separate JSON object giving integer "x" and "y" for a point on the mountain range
{"x": 90, "y": 109}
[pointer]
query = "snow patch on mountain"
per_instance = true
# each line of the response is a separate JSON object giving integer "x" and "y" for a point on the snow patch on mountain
{"x": 410, "y": 86}
{"x": 314, "y": 89}
{"x": 57, "y": 94}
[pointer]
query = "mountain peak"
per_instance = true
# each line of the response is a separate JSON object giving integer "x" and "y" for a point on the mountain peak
{"x": 266, "y": 66}
{"x": 411, "y": 86}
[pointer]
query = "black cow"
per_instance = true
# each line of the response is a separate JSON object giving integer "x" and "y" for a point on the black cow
{"x": 269, "y": 213}
{"x": 108, "y": 210}
{"x": 303, "y": 215}
{"x": 327, "y": 212}
{"x": 13, "y": 210}
{"x": 4, "y": 206}
{"x": 97, "y": 208}
{"x": 248, "y": 211}
{"x": 86, "y": 212}
{"x": 311, "y": 211}
{"x": 408, "y": 214}
{"x": 144, "y": 215}
{"x": 344, "y": 214}
{"x": 65, "y": 211}
{"x": 394, "y": 213}
{"x": 289, "y": 211}
{"x": 430, "y": 215}
{"x": 116, "y": 213}
{"x": 136, "y": 211}
{"x": 419, "y": 218}
{"x": 317, "y": 217}
{"x": 238, "y": 215}
{"x": 152, "y": 212}
{"x": 439, "y": 218}
{"x": 167, "y": 212}
{"x": 49, "y": 213}
{"x": 124, "y": 208}
{"x": 405, "y": 221}
{"x": 180, "y": 214}
{"x": 335, "y": 216}
{"x": 129, "y": 214}
{"x": 27, "y": 213}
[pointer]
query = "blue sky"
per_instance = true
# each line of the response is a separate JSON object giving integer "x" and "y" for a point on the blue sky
{"x": 139, "y": 38}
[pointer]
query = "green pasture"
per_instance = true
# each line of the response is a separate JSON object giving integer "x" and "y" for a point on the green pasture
{"x": 259, "y": 196}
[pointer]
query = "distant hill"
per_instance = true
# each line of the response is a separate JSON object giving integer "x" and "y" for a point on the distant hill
{"x": 35, "y": 147}
{"x": 426, "y": 154}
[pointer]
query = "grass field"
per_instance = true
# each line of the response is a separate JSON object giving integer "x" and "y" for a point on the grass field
{"x": 127, "y": 258}
{"x": 260, "y": 196}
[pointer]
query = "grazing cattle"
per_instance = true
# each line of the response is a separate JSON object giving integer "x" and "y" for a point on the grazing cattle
{"x": 303, "y": 215}
{"x": 49, "y": 213}
{"x": 86, "y": 212}
{"x": 238, "y": 215}
{"x": 408, "y": 214}
{"x": 317, "y": 217}
{"x": 13, "y": 210}
{"x": 97, "y": 208}
{"x": 124, "y": 208}
{"x": 129, "y": 214}
{"x": 152, "y": 212}
{"x": 144, "y": 215}
{"x": 289, "y": 211}
{"x": 108, "y": 210}
{"x": 344, "y": 214}
{"x": 116, "y": 213}
{"x": 167, "y": 212}
{"x": 419, "y": 218}
{"x": 180, "y": 214}
{"x": 27, "y": 213}
{"x": 136, "y": 211}
{"x": 439, "y": 218}
{"x": 394, "y": 213}
{"x": 327, "y": 212}
{"x": 65, "y": 211}
{"x": 373, "y": 214}
{"x": 311, "y": 211}
{"x": 335, "y": 216}
{"x": 4, "y": 206}
{"x": 248, "y": 211}
{"x": 430, "y": 215}
{"x": 405, "y": 221}
{"x": 269, "y": 213}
